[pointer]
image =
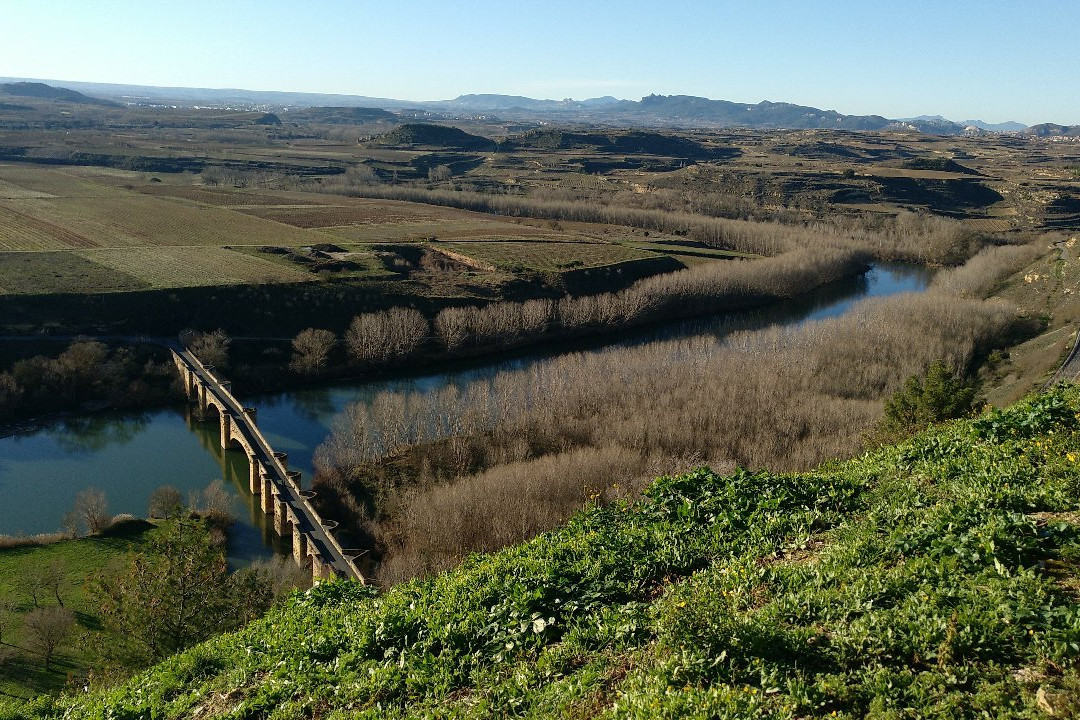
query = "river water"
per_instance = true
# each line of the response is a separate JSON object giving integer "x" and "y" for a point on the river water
{"x": 129, "y": 454}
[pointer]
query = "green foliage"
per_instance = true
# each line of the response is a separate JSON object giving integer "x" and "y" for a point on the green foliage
{"x": 938, "y": 395}
{"x": 934, "y": 579}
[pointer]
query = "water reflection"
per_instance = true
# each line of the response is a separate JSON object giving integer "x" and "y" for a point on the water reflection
{"x": 91, "y": 433}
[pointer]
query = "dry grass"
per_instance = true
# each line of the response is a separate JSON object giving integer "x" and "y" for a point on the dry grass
{"x": 23, "y": 273}
{"x": 8, "y": 542}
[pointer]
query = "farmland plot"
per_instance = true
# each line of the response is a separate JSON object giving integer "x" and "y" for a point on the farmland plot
{"x": 131, "y": 220}
{"x": 165, "y": 267}
{"x": 549, "y": 256}
{"x": 31, "y": 273}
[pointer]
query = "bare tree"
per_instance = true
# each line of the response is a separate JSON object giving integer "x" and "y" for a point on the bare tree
{"x": 311, "y": 348}
{"x": 70, "y": 522}
{"x": 211, "y": 348}
{"x": 47, "y": 628}
{"x": 7, "y": 614}
{"x": 92, "y": 509}
{"x": 165, "y": 502}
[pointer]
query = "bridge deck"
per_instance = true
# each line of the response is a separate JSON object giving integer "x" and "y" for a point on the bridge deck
{"x": 307, "y": 522}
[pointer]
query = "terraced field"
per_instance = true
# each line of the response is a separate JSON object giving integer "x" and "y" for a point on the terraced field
{"x": 547, "y": 256}
{"x": 165, "y": 267}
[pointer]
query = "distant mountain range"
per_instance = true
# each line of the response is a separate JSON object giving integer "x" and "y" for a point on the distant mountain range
{"x": 651, "y": 111}
{"x": 49, "y": 92}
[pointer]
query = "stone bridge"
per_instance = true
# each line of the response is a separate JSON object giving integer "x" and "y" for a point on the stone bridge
{"x": 269, "y": 478}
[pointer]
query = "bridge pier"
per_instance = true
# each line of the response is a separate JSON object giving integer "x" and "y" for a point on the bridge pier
{"x": 266, "y": 497}
{"x": 226, "y": 429}
{"x": 318, "y": 569}
{"x": 294, "y": 479}
{"x": 282, "y": 522}
{"x": 299, "y": 547}
{"x": 255, "y": 473}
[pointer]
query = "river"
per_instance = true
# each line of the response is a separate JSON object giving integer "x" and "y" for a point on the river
{"x": 129, "y": 454}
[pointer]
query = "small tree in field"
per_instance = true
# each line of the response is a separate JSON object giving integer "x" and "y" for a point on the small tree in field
{"x": 46, "y": 628}
{"x": 165, "y": 502}
{"x": 938, "y": 395}
{"x": 175, "y": 594}
{"x": 311, "y": 348}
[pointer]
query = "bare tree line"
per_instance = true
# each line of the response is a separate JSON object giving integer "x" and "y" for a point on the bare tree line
{"x": 389, "y": 336}
{"x": 786, "y": 398}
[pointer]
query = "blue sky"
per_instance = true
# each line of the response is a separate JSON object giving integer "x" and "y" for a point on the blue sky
{"x": 988, "y": 59}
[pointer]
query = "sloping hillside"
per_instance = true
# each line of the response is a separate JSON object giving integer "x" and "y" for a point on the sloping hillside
{"x": 48, "y": 92}
{"x": 938, "y": 578}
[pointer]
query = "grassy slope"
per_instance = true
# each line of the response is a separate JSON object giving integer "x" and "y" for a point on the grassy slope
{"x": 933, "y": 579}
{"x": 80, "y": 559}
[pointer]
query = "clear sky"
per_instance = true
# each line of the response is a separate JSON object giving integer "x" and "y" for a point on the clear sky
{"x": 989, "y": 59}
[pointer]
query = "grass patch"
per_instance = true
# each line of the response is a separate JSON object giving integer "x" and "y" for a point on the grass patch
{"x": 930, "y": 579}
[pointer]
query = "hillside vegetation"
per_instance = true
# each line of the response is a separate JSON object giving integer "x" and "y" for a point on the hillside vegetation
{"x": 936, "y": 578}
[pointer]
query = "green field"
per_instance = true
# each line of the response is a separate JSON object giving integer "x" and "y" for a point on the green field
{"x": 80, "y": 560}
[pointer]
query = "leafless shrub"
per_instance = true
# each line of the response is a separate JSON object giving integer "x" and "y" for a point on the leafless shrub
{"x": 216, "y": 505}
{"x": 980, "y": 275}
{"x": 697, "y": 290}
{"x": 783, "y": 397}
{"x": 17, "y": 541}
{"x": 501, "y": 506}
{"x": 282, "y": 575}
{"x": 165, "y": 502}
{"x": 212, "y": 348}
